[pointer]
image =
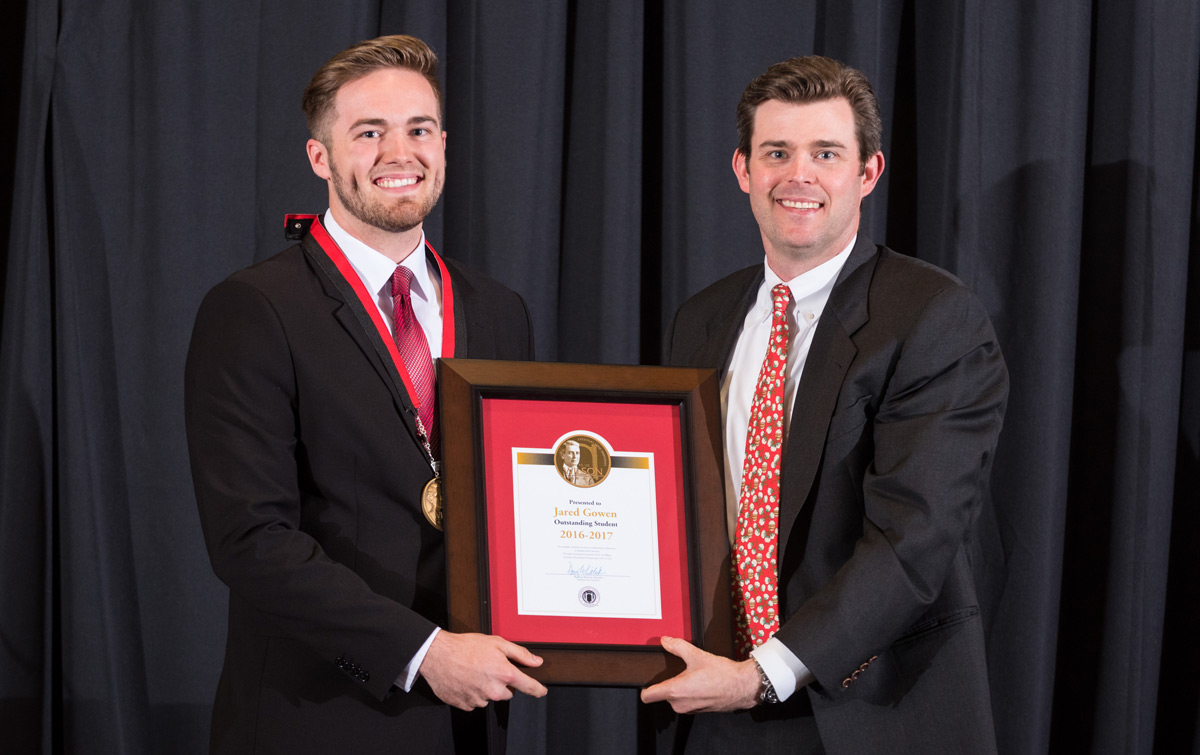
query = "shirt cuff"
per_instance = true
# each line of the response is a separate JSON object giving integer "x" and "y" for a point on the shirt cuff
{"x": 408, "y": 676}
{"x": 786, "y": 672}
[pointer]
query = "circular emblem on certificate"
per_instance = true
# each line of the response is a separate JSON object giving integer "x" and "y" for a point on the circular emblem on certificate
{"x": 582, "y": 460}
{"x": 432, "y": 503}
{"x": 589, "y": 597}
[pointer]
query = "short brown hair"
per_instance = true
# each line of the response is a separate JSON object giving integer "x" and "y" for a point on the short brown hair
{"x": 814, "y": 78}
{"x": 351, "y": 64}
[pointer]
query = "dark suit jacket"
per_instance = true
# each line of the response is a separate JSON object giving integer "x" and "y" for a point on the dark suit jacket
{"x": 308, "y": 477}
{"x": 886, "y": 466}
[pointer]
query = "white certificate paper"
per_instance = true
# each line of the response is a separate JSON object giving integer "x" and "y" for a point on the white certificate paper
{"x": 586, "y": 551}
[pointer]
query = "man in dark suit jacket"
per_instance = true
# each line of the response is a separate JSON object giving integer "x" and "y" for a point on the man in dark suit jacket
{"x": 309, "y": 456}
{"x": 897, "y": 391}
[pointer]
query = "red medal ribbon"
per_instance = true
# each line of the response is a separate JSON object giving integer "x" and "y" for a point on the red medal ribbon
{"x": 335, "y": 254}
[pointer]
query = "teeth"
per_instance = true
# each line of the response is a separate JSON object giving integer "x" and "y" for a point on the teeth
{"x": 799, "y": 205}
{"x": 395, "y": 183}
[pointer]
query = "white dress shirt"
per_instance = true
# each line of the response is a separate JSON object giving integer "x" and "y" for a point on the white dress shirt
{"x": 375, "y": 271}
{"x": 810, "y": 292}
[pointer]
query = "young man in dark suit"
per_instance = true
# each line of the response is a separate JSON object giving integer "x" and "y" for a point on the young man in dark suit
{"x": 309, "y": 402}
{"x": 857, "y": 454}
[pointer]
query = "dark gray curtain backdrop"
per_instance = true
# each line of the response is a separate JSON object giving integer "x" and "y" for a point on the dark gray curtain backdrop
{"x": 1045, "y": 152}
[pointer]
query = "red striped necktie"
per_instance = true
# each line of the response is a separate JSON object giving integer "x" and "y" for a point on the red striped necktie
{"x": 414, "y": 351}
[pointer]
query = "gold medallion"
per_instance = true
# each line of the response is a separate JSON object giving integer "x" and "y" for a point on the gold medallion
{"x": 431, "y": 502}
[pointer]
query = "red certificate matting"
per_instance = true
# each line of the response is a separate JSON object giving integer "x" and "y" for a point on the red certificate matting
{"x": 643, "y": 428}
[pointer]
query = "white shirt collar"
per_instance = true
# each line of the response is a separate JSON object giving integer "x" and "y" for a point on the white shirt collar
{"x": 375, "y": 268}
{"x": 817, "y": 282}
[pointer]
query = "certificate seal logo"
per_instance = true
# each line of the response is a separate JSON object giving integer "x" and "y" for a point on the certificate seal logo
{"x": 589, "y": 596}
{"x": 582, "y": 460}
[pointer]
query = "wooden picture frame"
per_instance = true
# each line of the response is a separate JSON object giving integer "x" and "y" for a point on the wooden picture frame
{"x": 490, "y": 411}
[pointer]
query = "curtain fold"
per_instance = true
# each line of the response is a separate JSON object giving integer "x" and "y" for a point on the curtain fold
{"x": 30, "y": 663}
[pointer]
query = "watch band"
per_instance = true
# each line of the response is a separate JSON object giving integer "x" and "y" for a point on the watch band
{"x": 766, "y": 690}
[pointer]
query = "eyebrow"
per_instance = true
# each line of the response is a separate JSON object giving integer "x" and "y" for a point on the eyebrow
{"x": 821, "y": 143}
{"x": 413, "y": 121}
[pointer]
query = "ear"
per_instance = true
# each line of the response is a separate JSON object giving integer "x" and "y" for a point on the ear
{"x": 872, "y": 170}
{"x": 318, "y": 158}
{"x": 741, "y": 170}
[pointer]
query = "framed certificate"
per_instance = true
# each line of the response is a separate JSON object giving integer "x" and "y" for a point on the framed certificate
{"x": 584, "y": 514}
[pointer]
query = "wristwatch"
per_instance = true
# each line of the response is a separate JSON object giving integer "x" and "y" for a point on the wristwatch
{"x": 766, "y": 690}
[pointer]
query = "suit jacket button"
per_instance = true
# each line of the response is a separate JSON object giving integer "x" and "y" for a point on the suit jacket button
{"x": 847, "y": 682}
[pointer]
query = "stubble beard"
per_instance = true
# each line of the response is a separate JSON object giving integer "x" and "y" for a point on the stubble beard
{"x": 395, "y": 216}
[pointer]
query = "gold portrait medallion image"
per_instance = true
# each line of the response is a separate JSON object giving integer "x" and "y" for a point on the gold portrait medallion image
{"x": 582, "y": 460}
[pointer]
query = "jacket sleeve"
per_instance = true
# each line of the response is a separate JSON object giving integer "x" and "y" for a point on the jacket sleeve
{"x": 240, "y": 406}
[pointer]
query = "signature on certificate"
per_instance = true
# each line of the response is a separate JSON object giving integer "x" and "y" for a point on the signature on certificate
{"x": 584, "y": 570}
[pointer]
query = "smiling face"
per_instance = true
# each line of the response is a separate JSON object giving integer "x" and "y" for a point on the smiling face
{"x": 805, "y": 181}
{"x": 385, "y": 160}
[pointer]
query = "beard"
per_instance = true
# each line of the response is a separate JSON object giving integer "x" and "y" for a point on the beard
{"x": 395, "y": 216}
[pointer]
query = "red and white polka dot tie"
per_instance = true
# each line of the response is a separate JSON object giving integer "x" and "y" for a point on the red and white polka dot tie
{"x": 414, "y": 350}
{"x": 756, "y": 538}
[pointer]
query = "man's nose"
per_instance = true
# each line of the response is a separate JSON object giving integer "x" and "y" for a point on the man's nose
{"x": 802, "y": 171}
{"x": 394, "y": 149}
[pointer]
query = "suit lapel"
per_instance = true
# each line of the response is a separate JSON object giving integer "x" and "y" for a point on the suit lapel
{"x": 462, "y": 298}
{"x": 723, "y": 329}
{"x": 829, "y": 358}
{"x": 354, "y": 319}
